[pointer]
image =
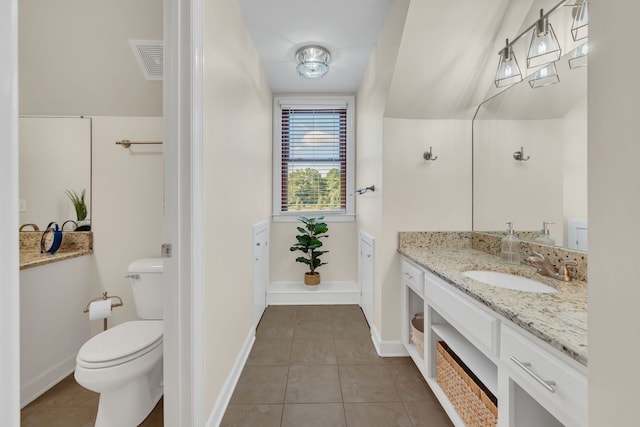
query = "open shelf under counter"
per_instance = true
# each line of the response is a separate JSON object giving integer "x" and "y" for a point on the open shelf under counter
{"x": 445, "y": 402}
{"x": 478, "y": 363}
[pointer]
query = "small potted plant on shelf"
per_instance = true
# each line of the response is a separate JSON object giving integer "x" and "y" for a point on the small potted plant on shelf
{"x": 81, "y": 209}
{"x": 308, "y": 242}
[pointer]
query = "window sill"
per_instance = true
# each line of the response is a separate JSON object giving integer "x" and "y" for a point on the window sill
{"x": 327, "y": 217}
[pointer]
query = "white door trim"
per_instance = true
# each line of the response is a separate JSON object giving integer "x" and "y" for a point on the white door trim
{"x": 183, "y": 220}
{"x": 9, "y": 250}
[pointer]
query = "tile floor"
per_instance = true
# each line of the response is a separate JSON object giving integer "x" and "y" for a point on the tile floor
{"x": 316, "y": 366}
{"x": 310, "y": 366}
{"x": 68, "y": 404}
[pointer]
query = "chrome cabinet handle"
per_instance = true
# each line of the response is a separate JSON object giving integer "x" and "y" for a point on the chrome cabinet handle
{"x": 526, "y": 367}
{"x": 410, "y": 277}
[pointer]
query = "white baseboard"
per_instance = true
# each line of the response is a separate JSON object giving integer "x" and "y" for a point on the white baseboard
{"x": 219, "y": 408}
{"x": 31, "y": 390}
{"x": 387, "y": 348}
{"x": 293, "y": 293}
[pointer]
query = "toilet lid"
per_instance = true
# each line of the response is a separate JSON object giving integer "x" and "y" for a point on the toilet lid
{"x": 124, "y": 341}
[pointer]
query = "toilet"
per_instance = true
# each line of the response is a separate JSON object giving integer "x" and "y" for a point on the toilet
{"x": 124, "y": 363}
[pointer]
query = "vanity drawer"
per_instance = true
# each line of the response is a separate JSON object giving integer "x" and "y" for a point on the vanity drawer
{"x": 480, "y": 327}
{"x": 536, "y": 369}
{"x": 412, "y": 276}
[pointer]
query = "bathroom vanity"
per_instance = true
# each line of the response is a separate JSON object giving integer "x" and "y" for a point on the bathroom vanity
{"x": 528, "y": 349}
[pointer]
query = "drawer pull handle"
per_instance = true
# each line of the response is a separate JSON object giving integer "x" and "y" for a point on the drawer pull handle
{"x": 526, "y": 367}
{"x": 410, "y": 277}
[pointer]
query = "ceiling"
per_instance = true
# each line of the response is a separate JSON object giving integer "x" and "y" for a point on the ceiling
{"x": 349, "y": 29}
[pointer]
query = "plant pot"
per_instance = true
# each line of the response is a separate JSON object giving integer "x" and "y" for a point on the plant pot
{"x": 312, "y": 280}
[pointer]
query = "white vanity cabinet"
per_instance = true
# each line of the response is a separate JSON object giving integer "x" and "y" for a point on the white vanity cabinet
{"x": 536, "y": 385}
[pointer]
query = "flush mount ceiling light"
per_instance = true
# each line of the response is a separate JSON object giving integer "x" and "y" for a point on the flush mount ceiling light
{"x": 508, "y": 70}
{"x": 313, "y": 61}
{"x": 579, "y": 57}
{"x": 544, "y": 47}
{"x": 580, "y": 27}
{"x": 545, "y": 76}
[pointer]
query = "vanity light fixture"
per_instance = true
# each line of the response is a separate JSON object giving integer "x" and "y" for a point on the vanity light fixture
{"x": 508, "y": 70}
{"x": 313, "y": 61}
{"x": 545, "y": 76}
{"x": 580, "y": 27}
{"x": 579, "y": 57}
{"x": 544, "y": 47}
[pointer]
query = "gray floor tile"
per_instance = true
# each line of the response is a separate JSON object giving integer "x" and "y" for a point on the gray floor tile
{"x": 252, "y": 416}
{"x": 356, "y": 351}
{"x": 409, "y": 382}
{"x": 313, "y": 415}
{"x": 270, "y": 351}
{"x": 313, "y": 351}
{"x": 368, "y": 383}
{"x": 387, "y": 414}
{"x": 261, "y": 385}
{"x": 313, "y": 384}
{"x": 427, "y": 414}
{"x": 306, "y": 328}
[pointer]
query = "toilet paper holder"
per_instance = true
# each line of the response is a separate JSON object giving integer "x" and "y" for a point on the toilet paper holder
{"x": 104, "y": 297}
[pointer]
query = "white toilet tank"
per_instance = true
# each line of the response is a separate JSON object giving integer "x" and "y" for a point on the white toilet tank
{"x": 145, "y": 276}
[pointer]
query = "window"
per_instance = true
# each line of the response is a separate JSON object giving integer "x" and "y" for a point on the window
{"x": 313, "y": 157}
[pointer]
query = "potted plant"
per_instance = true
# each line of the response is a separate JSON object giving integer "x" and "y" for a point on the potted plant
{"x": 80, "y": 207}
{"x": 308, "y": 242}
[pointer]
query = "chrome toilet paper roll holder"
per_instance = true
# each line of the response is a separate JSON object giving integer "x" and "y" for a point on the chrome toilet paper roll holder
{"x": 102, "y": 298}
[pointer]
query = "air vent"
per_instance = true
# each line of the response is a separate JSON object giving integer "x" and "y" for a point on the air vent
{"x": 149, "y": 56}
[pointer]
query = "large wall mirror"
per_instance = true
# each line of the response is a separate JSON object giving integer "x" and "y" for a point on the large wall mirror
{"x": 55, "y": 156}
{"x": 549, "y": 182}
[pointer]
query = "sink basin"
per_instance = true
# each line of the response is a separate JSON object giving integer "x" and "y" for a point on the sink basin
{"x": 509, "y": 281}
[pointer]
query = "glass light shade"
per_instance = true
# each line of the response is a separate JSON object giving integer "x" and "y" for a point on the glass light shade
{"x": 545, "y": 76}
{"x": 508, "y": 70}
{"x": 579, "y": 57}
{"x": 313, "y": 61}
{"x": 580, "y": 27}
{"x": 544, "y": 47}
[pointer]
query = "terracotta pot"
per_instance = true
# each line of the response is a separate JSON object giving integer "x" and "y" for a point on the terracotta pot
{"x": 312, "y": 279}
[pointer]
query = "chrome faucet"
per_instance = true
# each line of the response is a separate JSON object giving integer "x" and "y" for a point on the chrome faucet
{"x": 545, "y": 268}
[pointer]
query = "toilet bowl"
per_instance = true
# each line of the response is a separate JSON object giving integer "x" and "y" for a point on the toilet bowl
{"x": 124, "y": 363}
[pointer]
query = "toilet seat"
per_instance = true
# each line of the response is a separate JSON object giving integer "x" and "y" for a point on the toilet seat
{"x": 121, "y": 344}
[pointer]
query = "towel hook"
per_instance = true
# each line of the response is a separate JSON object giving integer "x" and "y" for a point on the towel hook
{"x": 519, "y": 155}
{"x": 428, "y": 155}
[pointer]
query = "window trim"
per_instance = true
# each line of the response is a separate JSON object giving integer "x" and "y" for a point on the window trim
{"x": 280, "y": 102}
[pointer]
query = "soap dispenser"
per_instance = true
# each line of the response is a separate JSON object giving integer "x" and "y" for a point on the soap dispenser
{"x": 510, "y": 252}
{"x": 545, "y": 238}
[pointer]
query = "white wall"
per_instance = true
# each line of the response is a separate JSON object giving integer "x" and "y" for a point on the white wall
{"x": 237, "y": 185}
{"x": 75, "y": 57}
{"x": 419, "y": 195}
{"x": 342, "y": 260}
{"x": 614, "y": 209}
{"x": 575, "y": 162}
{"x": 127, "y": 205}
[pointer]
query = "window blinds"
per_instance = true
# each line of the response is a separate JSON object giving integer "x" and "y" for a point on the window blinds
{"x": 314, "y": 159}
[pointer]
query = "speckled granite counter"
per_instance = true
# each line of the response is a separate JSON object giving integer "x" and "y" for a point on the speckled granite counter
{"x": 74, "y": 244}
{"x": 559, "y": 319}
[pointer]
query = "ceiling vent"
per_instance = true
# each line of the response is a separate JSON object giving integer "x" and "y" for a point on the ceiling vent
{"x": 149, "y": 56}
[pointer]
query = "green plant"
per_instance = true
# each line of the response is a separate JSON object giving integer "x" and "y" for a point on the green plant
{"x": 78, "y": 204}
{"x": 308, "y": 241}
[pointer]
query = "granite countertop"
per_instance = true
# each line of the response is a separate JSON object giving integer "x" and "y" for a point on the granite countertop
{"x": 559, "y": 319}
{"x": 34, "y": 259}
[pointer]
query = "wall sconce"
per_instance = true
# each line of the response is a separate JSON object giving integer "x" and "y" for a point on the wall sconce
{"x": 508, "y": 70}
{"x": 544, "y": 47}
{"x": 428, "y": 155}
{"x": 519, "y": 155}
{"x": 313, "y": 61}
{"x": 545, "y": 76}
{"x": 580, "y": 27}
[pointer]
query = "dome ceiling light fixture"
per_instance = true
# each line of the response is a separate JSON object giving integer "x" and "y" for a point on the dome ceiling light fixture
{"x": 313, "y": 61}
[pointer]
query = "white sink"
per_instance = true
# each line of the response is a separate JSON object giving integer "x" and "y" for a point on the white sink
{"x": 509, "y": 281}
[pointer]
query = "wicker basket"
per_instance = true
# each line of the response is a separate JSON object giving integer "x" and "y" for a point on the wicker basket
{"x": 472, "y": 400}
{"x": 417, "y": 332}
